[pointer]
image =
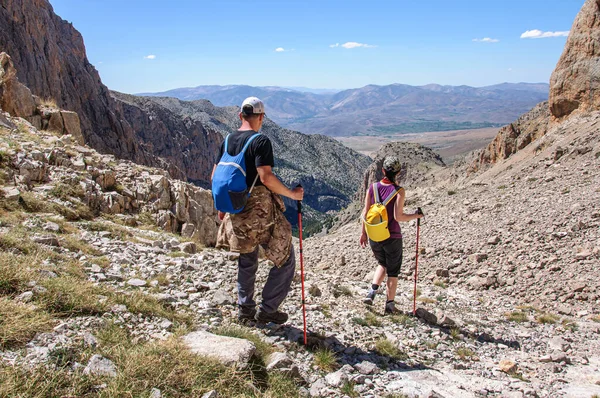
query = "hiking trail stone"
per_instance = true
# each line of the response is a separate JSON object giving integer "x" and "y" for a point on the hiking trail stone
{"x": 228, "y": 350}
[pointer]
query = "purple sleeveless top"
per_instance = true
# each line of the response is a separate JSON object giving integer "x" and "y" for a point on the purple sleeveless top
{"x": 384, "y": 191}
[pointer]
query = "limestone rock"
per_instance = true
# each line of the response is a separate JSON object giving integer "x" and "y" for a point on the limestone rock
{"x": 228, "y": 350}
{"x": 15, "y": 98}
{"x": 507, "y": 366}
{"x": 576, "y": 79}
{"x": 100, "y": 366}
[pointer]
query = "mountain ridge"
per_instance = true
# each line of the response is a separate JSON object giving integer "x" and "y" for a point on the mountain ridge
{"x": 381, "y": 109}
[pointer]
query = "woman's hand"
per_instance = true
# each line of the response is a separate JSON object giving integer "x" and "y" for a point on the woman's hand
{"x": 363, "y": 239}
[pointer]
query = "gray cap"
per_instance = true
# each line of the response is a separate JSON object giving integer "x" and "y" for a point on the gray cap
{"x": 252, "y": 106}
{"x": 392, "y": 163}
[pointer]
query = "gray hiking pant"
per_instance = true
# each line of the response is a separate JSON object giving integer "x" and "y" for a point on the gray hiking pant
{"x": 276, "y": 288}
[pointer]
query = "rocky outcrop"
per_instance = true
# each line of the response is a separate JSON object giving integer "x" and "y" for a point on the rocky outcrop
{"x": 188, "y": 146}
{"x": 52, "y": 62}
{"x": 417, "y": 162}
{"x": 81, "y": 182}
{"x": 575, "y": 83}
{"x": 514, "y": 137}
{"x": 17, "y": 100}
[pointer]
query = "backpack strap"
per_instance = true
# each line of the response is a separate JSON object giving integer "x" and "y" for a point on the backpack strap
{"x": 392, "y": 195}
{"x": 225, "y": 145}
{"x": 244, "y": 151}
{"x": 375, "y": 193}
{"x": 249, "y": 142}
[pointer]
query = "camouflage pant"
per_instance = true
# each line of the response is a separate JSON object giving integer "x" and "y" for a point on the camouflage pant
{"x": 260, "y": 223}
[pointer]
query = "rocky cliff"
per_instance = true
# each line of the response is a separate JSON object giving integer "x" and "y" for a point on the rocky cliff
{"x": 575, "y": 83}
{"x": 574, "y": 89}
{"x": 514, "y": 137}
{"x": 187, "y": 146}
{"x": 51, "y": 60}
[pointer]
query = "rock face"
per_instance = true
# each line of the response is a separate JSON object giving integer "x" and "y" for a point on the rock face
{"x": 575, "y": 83}
{"x": 514, "y": 137}
{"x": 17, "y": 100}
{"x": 188, "y": 147}
{"x": 52, "y": 62}
{"x": 104, "y": 184}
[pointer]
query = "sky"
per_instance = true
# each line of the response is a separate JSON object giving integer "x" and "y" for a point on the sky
{"x": 150, "y": 46}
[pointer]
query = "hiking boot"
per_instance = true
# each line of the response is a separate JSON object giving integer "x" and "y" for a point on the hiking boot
{"x": 370, "y": 297}
{"x": 390, "y": 309}
{"x": 246, "y": 314}
{"x": 277, "y": 317}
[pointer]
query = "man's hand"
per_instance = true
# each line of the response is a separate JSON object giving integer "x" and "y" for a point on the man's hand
{"x": 221, "y": 215}
{"x": 419, "y": 215}
{"x": 297, "y": 193}
{"x": 363, "y": 239}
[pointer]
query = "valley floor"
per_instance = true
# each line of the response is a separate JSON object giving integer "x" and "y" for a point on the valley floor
{"x": 448, "y": 144}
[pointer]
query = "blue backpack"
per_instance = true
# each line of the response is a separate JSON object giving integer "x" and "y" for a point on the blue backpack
{"x": 229, "y": 188}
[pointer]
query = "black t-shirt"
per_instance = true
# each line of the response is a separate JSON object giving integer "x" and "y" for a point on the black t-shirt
{"x": 259, "y": 153}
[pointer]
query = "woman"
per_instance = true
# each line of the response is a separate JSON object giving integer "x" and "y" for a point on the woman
{"x": 388, "y": 252}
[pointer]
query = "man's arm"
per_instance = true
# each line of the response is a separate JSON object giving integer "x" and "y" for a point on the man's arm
{"x": 271, "y": 181}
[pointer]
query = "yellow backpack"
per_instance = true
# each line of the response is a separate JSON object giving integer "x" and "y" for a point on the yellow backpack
{"x": 376, "y": 221}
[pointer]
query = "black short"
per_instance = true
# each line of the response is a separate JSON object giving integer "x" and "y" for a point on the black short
{"x": 389, "y": 255}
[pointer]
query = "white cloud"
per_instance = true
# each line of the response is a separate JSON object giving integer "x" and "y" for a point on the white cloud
{"x": 510, "y": 69}
{"x": 352, "y": 44}
{"x": 538, "y": 34}
{"x": 487, "y": 40}
{"x": 279, "y": 50}
{"x": 151, "y": 56}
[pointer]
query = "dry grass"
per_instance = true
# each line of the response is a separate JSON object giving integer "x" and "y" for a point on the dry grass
{"x": 32, "y": 203}
{"x": 67, "y": 192}
{"x": 325, "y": 360}
{"x": 67, "y": 296}
{"x": 13, "y": 276}
{"x": 387, "y": 348}
{"x": 464, "y": 353}
{"x": 370, "y": 319}
{"x": 546, "y": 318}
{"x": 19, "y": 323}
{"x": 167, "y": 366}
{"x": 516, "y": 316}
{"x": 140, "y": 303}
{"x": 48, "y": 102}
{"x": 75, "y": 244}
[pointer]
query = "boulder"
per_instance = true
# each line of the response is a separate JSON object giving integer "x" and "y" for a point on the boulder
{"x": 576, "y": 79}
{"x": 227, "y": 350}
{"x": 15, "y": 98}
{"x": 100, "y": 366}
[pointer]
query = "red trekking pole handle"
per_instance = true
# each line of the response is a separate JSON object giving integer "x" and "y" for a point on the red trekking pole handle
{"x": 299, "y": 203}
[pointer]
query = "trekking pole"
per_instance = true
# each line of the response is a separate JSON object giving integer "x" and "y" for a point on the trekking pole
{"x": 419, "y": 211}
{"x": 301, "y": 264}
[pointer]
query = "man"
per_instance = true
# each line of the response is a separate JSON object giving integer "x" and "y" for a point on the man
{"x": 261, "y": 222}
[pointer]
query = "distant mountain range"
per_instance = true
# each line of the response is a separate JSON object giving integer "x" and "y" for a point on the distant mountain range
{"x": 380, "y": 110}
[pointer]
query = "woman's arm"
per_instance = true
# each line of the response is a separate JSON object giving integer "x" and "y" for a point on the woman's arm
{"x": 399, "y": 214}
{"x": 368, "y": 203}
